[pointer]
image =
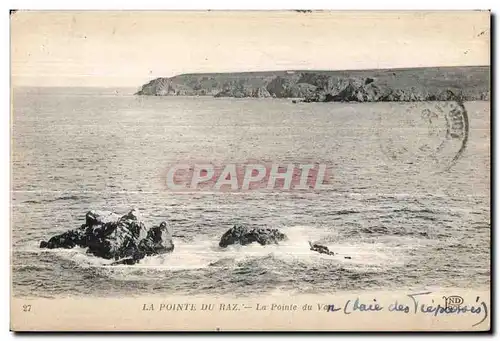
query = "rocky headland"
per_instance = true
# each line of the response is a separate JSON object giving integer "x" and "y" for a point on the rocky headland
{"x": 469, "y": 83}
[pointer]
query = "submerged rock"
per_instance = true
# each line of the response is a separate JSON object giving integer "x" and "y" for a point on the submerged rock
{"x": 122, "y": 238}
{"x": 321, "y": 249}
{"x": 244, "y": 235}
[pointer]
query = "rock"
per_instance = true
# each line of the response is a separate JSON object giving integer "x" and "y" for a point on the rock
{"x": 321, "y": 81}
{"x": 448, "y": 95}
{"x": 301, "y": 90}
{"x": 158, "y": 240}
{"x": 244, "y": 235}
{"x": 67, "y": 240}
{"x": 157, "y": 87}
{"x": 321, "y": 249}
{"x": 117, "y": 239}
{"x": 368, "y": 90}
{"x": 290, "y": 87}
{"x": 350, "y": 93}
{"x": 124, "y": 239}
{"x": 238, "y": 91}
{"x": 261, "y": 93}
{"x": 100, "y": 217}
{"x": 279, "y": 87}
{"x": 168, "y": 87}
{"x": 126, "y": 261}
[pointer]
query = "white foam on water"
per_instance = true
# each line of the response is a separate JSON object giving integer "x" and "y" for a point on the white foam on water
{"x": 205, "y": 252}
{"x": 77, "y": 255}
{"x": 199, "y": 253}
{"x": 202, "y": 253}
{"x": 360, "y": 255}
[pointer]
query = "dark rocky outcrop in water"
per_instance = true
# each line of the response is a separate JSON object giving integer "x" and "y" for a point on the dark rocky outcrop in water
{"x": 321, "y": 249}
{"x": 390, "y": 85}
{"x": 244, "y": 235}
{"x": 122, "y": 238}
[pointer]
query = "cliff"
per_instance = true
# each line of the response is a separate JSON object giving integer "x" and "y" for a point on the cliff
{"x": 415, "y": 84}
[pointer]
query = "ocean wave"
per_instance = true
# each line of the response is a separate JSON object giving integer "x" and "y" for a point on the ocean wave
{"x": 30, "y": 267}
{"x": 387, "y": 230}
{"x": 424, "y": 210}
{"x": 59, "y": 198}
{"x": 342, "y": 212}
{"x": 204, "y": 254}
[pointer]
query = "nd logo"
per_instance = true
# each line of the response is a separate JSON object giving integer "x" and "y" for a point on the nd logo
{"x": 453, "y": 301}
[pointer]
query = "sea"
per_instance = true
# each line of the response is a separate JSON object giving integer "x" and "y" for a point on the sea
{"x": 394, "y": 224}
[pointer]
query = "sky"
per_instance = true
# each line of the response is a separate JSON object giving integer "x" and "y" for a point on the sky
{"x": 127, "y": 48}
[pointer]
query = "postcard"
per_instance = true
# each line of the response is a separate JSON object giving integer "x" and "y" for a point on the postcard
{"x": 250, "y": 171}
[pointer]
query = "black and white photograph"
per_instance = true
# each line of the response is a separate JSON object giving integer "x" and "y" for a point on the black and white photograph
{"x": 219, "y": 170}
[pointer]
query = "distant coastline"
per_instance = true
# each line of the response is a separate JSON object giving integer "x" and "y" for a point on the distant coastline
{"x": 467, "y": 83}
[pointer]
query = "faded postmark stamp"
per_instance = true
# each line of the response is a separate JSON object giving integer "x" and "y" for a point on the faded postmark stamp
{"x": 424, "y": 136}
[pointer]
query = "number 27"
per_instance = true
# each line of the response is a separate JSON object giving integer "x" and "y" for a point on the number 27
{"x": 27, "y": 308}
